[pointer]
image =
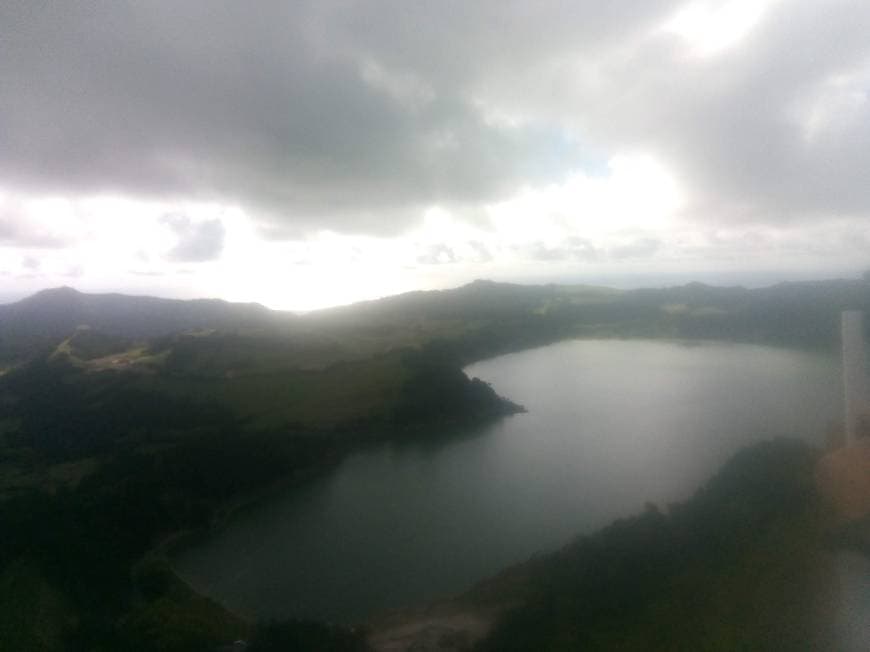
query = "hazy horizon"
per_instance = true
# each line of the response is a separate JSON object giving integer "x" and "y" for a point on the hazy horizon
{"x": 749, "y": 281}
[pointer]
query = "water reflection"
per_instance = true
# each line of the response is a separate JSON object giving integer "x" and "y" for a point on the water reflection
{"x": 611, "y": 425}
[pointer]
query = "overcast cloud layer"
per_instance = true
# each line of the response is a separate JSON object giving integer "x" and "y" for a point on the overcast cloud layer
{"x": 362, "y": 118}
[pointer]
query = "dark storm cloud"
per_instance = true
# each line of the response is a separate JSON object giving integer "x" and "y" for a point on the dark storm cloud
{"x": 354, "y": 115}
{"x": 286, "y": 108}
{"x": 196, "y": 241}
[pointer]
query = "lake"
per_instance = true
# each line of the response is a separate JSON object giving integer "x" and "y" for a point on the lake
{"x": 611, "y": 425}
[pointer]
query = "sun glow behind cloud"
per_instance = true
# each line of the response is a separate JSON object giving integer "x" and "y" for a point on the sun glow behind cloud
{"x": 637, "y": 198}
{"x": 588, "y": 226}
{"x": 638, "y": 193}
{"x": 711, "y": 28}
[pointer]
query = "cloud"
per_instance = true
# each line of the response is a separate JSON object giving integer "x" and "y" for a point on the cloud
{"x": 570, "y": 249}
{"x": 460, "y": 248}
{"x": 638, "y": 248}
{"x": 196, "y": 242}
{"x": 439, "y": 254}
{"x": 481, "y": 253}
{"x": 281, "y": 108}
{"x": 19, "y": 233}
{"x": 19, "y": 230}
{"x": 769, "y": 130}
{"x": 361, "y": 118}
{"x": 137, "y": 272}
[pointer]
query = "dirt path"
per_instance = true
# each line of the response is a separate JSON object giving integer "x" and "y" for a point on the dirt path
{"x": 439, "y": 628}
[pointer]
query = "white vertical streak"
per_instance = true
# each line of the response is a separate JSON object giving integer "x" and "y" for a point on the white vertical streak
{"x": 854, "y": 372}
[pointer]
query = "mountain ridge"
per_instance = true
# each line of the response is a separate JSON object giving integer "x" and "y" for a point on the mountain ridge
{"x": 478, "y": 319}
{"x": 48, "y": 316}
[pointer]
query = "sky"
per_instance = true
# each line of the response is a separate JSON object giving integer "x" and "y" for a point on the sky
{"x": 303, "y": 153}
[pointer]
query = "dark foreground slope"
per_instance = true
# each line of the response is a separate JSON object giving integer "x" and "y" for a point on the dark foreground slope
{"x": 740, "y": 566}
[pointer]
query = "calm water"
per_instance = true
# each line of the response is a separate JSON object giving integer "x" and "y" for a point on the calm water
{"x": 611, "y": 425}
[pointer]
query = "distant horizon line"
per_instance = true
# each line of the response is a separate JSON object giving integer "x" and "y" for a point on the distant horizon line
{"x": 654, "y": 286}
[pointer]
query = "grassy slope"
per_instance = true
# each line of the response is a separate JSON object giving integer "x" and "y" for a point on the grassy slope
{"x": 340, "y": 394}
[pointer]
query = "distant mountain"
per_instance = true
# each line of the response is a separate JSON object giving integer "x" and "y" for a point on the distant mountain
{"x": 486, "y": 318}
{"x": 54, "y": 314}
{"x": 480, "y": 299}
{"x": 476, "y": 320}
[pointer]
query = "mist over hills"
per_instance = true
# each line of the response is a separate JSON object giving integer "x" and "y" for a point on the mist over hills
{"x": 58, "y": 310}
{"x": 46, "y": 316}
{"x": 486, "y": 318}
{"x": 799, "y": 309}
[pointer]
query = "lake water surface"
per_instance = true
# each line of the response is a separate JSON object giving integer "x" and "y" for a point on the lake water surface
{"x": 611, "y": 425}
